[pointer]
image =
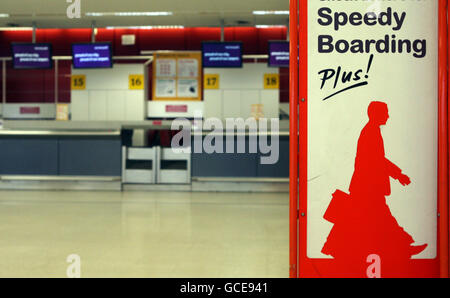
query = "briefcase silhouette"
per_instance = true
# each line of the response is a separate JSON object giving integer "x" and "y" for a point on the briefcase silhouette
{"x": 338, "y": 205}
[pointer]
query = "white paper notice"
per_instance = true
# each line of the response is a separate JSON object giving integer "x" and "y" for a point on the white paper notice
{"x": 188, "y": 88}
{"x": 166, "y": 68}
{"x": 188, "y": 68}
{"x": 165, "y": 88}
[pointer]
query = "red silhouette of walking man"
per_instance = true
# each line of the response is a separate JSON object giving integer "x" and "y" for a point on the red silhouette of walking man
{"x": 363, "y": 223}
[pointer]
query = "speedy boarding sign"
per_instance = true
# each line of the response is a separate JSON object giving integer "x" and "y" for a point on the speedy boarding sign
{"x": 371, "y": 117}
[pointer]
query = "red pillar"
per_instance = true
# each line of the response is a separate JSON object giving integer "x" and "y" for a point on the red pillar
{"x": 293, "y": 155}
{"x": 443, "y": 191}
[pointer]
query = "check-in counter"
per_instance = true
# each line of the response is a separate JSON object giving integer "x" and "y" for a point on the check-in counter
{"x": 241, "y": 165}
{"x": 95, "y": 151}
{"x": 39, "y": 149}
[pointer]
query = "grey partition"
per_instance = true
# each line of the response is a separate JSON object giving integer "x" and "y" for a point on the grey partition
{"x": 173, "y": 167}
{"x": 28, "y": 156}
{"x": 244, "y": 165}
{"x": 100, "y": 156}
{"x": 225, "y": 164}
{"x": 281, "y": 168}
{"x": 139, "y": 165}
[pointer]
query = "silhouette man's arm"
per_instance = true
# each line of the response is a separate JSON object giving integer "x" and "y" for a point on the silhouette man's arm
{"x": 396, "y": 173}
{"x": 393, "y": 170}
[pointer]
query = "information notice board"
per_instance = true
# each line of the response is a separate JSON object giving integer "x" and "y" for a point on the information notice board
{"x": 177, "y": 76}
{"x": 370, "y": 180}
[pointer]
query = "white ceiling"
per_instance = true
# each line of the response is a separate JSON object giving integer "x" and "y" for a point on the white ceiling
{"x": 188, "y": 13}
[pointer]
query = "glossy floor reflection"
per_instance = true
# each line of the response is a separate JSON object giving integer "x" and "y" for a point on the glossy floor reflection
{"x": 144, "y": 234}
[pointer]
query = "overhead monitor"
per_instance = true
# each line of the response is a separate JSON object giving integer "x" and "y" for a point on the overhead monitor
{"x": 222, "y": 54}
{"x": 279, "y": 53}
{"x": 92, "y": 55}
{"x": 32, "y": 55}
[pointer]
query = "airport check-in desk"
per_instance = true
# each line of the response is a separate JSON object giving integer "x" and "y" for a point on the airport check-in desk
{"x": 242, "y": 166}
{"x": 59, "y": 152}
{"x": 94, "y": 151}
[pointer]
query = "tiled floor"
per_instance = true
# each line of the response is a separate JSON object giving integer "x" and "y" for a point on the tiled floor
{"x": 144, "y": 234}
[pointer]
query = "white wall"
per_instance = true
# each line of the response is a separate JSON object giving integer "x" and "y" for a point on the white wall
{"x": 107, "y": 97}
{"x": 240, "y": 88}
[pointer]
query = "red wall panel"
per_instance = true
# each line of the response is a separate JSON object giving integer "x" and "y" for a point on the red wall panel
{"x": 284, "y": 84}
{"x": 7, "y": 37}
{"x": 121, "y": 50}
{"x": 64, "y": 87}
{"x": 248, "y": 36}
{"x": 267, "y": 34}
{"x": 104, "y": 35}
{"x": 195, "y": 36}
{"x": 62, "y": 39}
{"x": 163, "y": 39}
{"x": 21, "y": 88}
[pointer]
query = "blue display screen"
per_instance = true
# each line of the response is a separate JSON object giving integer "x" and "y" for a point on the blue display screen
{"x": 92, "y": 55}
{"x": 222, "y": 54}
{"x": 32, "y": 55}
